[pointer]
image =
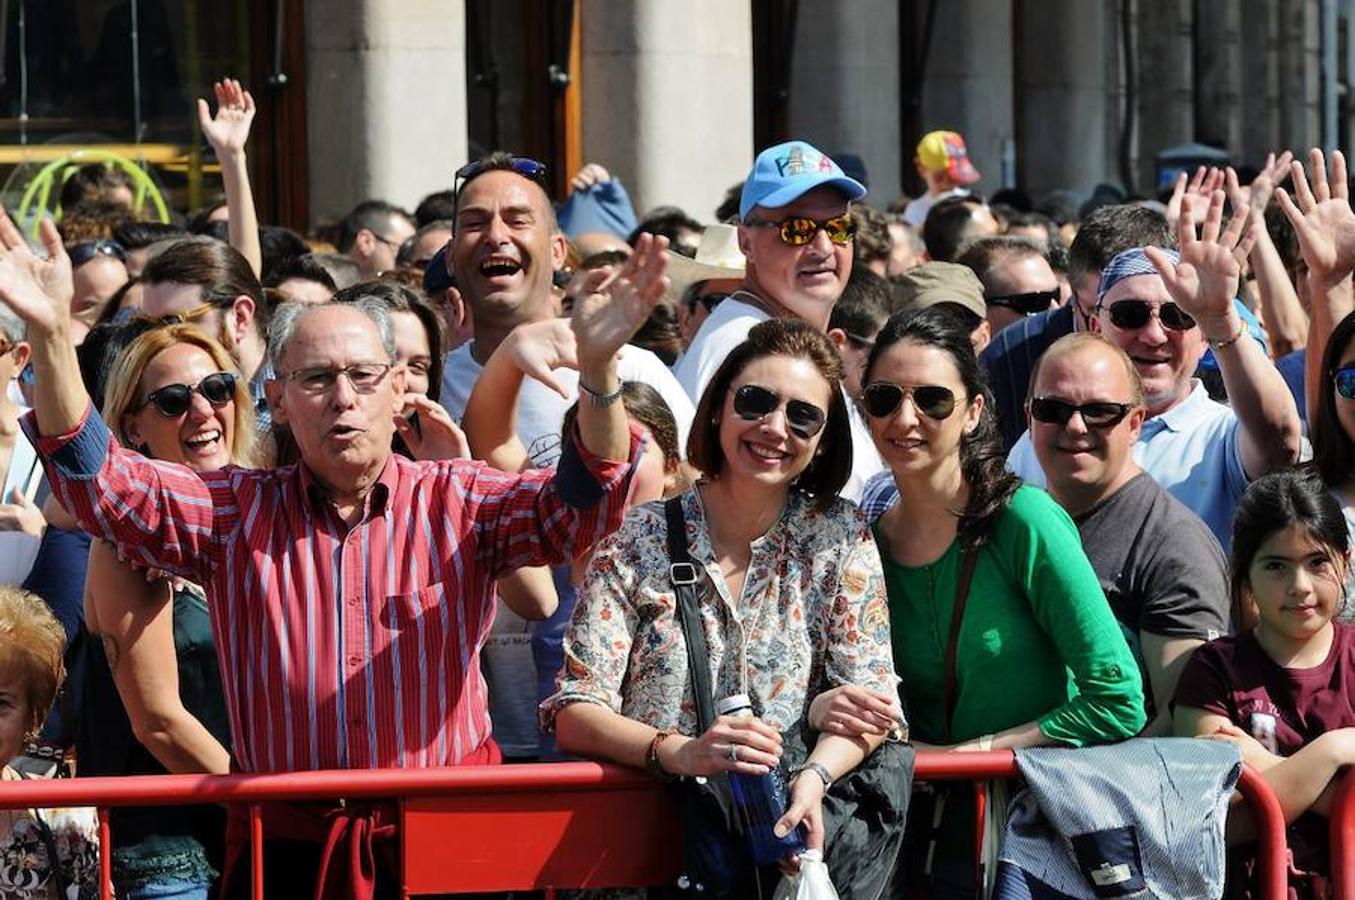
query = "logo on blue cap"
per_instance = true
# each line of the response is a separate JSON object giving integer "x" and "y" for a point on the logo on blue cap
{"x": 786, "y": 172}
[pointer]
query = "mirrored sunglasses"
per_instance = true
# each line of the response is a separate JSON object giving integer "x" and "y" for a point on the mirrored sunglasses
{"x": 753, "y": 402}
{"x": 796, "y": 231}
{"x": 1344, "y": 378}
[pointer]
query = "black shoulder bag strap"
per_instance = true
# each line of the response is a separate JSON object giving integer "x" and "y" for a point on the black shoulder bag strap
{"x": 950, "y": 688}
{"x": 686, "y": 575}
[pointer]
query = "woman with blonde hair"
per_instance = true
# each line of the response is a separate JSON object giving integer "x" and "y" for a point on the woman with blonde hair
{"x": 151, "y": 697}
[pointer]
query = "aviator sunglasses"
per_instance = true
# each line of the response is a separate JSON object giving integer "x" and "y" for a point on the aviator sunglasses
{"x": 173, "y": 400}
{"x": 1133, "y": 314}
{"x": 796, "y": 231}
{"x": 1097, "y": 414}
{"x": 1029, "y": 303}
{"x": 882, "y": 398}
{"x": 753, "y": 402}
{"x": 1344, "y": 379}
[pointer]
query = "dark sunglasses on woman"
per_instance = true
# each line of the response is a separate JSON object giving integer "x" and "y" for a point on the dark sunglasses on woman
{"x": 1134, "y": 314}
{"x": 173, "y": 400}
{"x": 753, "y": 402}
{"x": 1097, "y": 414}
{"x": 882, "y": 398}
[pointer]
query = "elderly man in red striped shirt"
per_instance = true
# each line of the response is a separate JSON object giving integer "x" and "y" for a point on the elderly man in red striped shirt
{"x": 349, "y": 593}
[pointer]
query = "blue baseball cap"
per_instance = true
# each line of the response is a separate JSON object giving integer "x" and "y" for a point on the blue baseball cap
{"x": 437, "y": 276}
{"x": 786, "y": 172}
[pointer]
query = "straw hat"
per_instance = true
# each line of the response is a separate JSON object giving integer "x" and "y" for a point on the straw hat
{"x": 717, "y": 258}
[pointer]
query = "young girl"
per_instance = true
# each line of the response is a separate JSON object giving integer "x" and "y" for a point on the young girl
{"x": 1279, "y": 688}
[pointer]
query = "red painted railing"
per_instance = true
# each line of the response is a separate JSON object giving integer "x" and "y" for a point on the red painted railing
{"x": 1343, "y": 838}
{"x": 502, "y": 828}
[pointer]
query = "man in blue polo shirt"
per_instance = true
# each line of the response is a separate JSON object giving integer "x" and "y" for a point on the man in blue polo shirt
{"x": 1163, "y": 308}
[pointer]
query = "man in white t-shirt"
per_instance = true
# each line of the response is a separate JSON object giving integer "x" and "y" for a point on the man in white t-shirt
{"x": 796, "y": 237}
{"x": 943, "y": 163}
{"x": 504, "y": 252}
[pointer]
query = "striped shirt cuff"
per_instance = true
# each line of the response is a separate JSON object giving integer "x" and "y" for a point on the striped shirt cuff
{"x": 582, "y": 478}
{"x": 79, "y": 453}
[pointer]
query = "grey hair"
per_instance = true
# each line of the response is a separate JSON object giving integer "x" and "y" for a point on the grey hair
{"x": 287, "y": 316}
{"x": 13, "y": 327}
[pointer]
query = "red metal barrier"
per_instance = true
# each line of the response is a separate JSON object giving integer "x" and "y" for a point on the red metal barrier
{"x": 499, "y": 828}
{"x": 1343, "y": 838}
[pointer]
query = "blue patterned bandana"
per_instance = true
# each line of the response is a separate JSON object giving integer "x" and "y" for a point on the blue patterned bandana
{"x": 1127, "y": 264}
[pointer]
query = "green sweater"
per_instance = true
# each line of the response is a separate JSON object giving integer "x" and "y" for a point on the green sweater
{"x": 1038, "y": 642}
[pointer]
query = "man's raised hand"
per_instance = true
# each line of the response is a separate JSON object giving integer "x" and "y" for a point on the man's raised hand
{"x": 38, "y": 290}
{"x": 1205, "y": 281}
{"x": 1322, "y": 218}
{"x": 228, "y": 131}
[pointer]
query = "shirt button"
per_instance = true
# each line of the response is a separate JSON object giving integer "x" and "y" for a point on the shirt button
{"x": 352, "y": 601}
{"x": 355, "y": 661}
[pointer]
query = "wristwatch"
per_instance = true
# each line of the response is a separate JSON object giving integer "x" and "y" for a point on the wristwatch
{"x": 600, "y": 400}
{"x": 818, "y": 769}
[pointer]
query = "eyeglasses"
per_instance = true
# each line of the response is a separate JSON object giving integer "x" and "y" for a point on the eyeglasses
{"x": 796, "y": 231}
{"x": 882, "y": 398}
{"x": 709, "y": 301}
{"x": 84, "y": 251}
{"x": 527, "y": 168}
{"x": 1028, "y": 304}
{"x": 186, "y": 317}
{"x": 364, "y": 377}
{"x": 1134, "y": 314}
{"x": 173, "y": 400}
{"x": 1097, "y": 414}
{"x": 804, "y": 419}
{"x": 1344, "y": 378}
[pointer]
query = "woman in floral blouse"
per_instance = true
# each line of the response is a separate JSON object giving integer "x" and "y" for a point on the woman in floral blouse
{"x": 792, "y": 601}
{"x": 51, "y": 853}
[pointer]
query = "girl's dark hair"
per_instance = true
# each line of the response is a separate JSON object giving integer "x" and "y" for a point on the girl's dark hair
{"x": 1282, "y": 499}
{"x": 101, "y": 348}
{"x": 791, "y": 338}
{"x": 1333, "y": 449}
{"x": 983, "y": 464}
{"x": 398, "y": 298}
{"x": 645, "y": 405}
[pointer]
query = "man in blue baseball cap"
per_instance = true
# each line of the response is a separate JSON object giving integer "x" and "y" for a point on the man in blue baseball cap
{"x": 796, "y": 236}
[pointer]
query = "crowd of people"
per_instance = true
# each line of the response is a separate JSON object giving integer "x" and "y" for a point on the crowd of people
{"x": 967, "y": 473}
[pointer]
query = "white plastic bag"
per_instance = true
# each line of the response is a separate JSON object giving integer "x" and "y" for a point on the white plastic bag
{"x": 810, "y": 883}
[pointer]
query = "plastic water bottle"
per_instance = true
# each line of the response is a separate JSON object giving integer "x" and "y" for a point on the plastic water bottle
{"x": 762, "y": 799}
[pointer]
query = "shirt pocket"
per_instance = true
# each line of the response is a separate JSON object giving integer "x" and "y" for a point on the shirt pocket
{"x": 421, "y": 615}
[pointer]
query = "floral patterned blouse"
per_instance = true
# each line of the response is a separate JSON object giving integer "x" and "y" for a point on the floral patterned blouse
{"x": 813, "y": 615}
{"x": 25, "y": 865}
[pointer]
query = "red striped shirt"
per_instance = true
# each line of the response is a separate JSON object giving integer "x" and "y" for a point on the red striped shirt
{"x": 342, "y": 647}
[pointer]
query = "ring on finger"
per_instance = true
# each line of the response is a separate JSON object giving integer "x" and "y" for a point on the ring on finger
{"x": 734, "y": 753}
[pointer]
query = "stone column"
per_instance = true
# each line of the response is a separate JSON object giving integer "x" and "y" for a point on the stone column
{"x": 386, "y": 101}
{"x": 1165, "y": 80}
{"x": 1300, "y": 83}
{"x": 1218, "y": 75}
{"x": 844, "y": 91}
{"x": 969, "y": 81}
{"x": 1069, "y": 115}
{"x": 668, "y": 98}
{"x": 1260, "y": 81}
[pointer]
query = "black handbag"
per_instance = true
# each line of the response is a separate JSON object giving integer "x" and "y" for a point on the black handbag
{"x": 864, "y": 812}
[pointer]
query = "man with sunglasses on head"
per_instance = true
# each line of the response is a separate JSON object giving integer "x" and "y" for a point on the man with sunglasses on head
{"x": 1017, "y": 279}
{"x": 1163, "y": 308}
{"x": 795, "y": 233}
{"x": 1161, "y": 569}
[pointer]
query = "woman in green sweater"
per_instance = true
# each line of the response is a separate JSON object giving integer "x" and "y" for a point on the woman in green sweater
{"x": 1039, "y": 658}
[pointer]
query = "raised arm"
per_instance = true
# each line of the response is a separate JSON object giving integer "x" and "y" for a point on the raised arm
{"x": 134, "y": 619}
{"x": 228, "y": 133}
{"x": 1325, "y": 227}
{"x": 1204, "y": 284}
{"x": 1286, "y": 322}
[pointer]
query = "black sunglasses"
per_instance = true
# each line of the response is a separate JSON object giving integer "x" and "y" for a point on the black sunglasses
{"x": 84, "y": 251}
{"x": 882, "y": 398}
{"x": 1029, "y": 303}
{"x": 173, "y": 400}
{"x": 1134, "y": 314}
{"x": 1344, "y": 379}
{"x": 1097, "y": 414}
{"x": 804, "y": 419}
{"x": 527, "y": 168}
